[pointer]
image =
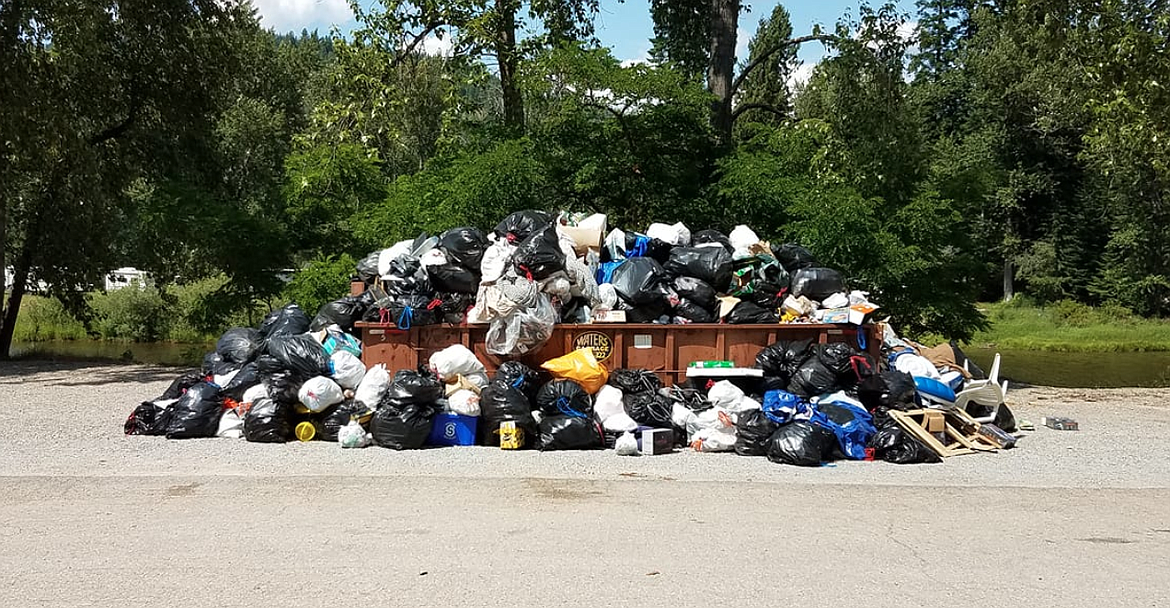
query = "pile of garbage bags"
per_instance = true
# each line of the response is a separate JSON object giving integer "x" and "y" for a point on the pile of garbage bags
{"x": 286, "y": 381}
{"x": 536, "y": 269}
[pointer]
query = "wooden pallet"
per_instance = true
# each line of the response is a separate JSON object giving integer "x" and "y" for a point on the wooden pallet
{"x": 957, "y": 425}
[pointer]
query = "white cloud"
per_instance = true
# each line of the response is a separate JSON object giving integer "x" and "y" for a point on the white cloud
{"x": 293, "y": 15}
{"x": 801, "y": 75}
{"x": 742, "y": 38}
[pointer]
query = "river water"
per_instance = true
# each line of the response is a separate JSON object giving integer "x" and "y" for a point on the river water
{"x": 1075, "y": 370}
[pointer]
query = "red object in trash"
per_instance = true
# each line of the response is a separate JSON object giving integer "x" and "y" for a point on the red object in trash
{"x": 869, "y": 454}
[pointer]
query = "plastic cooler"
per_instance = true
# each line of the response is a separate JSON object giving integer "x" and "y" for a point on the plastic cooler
{"x": 453, "y": 429}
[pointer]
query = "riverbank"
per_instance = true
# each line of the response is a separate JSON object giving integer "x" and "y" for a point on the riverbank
{"x": 1069, "y": 327}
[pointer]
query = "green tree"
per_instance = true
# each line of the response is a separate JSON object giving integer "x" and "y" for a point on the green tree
{"x": 765, "y": 95}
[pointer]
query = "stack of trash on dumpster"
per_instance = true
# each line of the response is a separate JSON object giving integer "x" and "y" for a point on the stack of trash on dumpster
{"x": 535, "y": 270}
{"x": 299, "y": 378}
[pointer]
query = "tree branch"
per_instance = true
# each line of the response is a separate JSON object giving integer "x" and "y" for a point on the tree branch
{"x": 756, "y": 106}
{"x": 621, "y": 118}
{"x": 409, "y": 50}
{"x": 116, "y": 131}
{"x": 772, "y": 51}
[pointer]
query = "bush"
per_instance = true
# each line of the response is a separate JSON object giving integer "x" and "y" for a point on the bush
{"x": 43, "y": 319}
{"x": 321, "y": 281}
{"x": 131, "y": 313}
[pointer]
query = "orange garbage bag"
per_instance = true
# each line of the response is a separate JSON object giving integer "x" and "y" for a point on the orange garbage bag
{"x": 581, "y": 367}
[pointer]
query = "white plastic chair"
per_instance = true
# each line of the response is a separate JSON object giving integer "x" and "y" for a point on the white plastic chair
{"x": 987, "y": 392}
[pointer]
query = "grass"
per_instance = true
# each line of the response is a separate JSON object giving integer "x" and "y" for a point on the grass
{"x": 43, "y": 319}
{"x": 1070, "y": 327}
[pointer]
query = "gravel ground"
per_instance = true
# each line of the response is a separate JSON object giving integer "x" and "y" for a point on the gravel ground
{"x": 66, "y": 419}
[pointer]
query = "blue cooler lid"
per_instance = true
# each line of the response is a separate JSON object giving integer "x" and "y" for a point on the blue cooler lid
{"x": 930, "y": 389}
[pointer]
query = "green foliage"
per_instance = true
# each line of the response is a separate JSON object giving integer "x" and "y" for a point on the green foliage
{"x": 1070, "y": 326}
{"x": 682, "y": 34}
{"x": 325, "y": 186}
{"x": 321, "y": 281}
{"x": 43, "y": 319}
{"x": 132, "y": 313}
{"x": 766, "y": 86}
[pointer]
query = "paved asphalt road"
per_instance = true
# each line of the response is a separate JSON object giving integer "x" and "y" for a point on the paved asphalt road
{"x": 91, "y": 518}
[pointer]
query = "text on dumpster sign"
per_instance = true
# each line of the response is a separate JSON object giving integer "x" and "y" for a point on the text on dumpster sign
{"x": 599, "y": 343}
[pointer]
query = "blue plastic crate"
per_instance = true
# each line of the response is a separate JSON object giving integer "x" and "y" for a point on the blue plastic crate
{"x": 453, "y": 429}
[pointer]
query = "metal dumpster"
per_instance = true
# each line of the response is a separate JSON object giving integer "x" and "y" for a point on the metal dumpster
{"x": 663, "y": 349}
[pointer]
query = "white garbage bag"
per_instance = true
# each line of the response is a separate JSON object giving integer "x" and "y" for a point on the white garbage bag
{"x": 742, "y": 240}
{"x": 627, "y": 445}
{"x": 720, "y": 439}
{"x": 352, "y": 435}
{"x": 386, "y": 256}
{"x": 916, "y": 365}
{"x": 837, "y": 300}
{"x": 608, "y": 402}
{"x": 231, "y": 426}
{"x": 256, "y": 392}
{"x": 607, "y": 293}
{"x": 224, "y": 379}
{"x": 464, "y": 403}
{"x": 620, "y": 422}
{"x": 724, "y": 394}
{"x": 348, "y": 370}
{"x": 320, "y": 393}
{"x": 676, "y": 235}
{"x": 455, "y": 360}
{"x": 495, "y": 260}
{"x": 369, "y": 392}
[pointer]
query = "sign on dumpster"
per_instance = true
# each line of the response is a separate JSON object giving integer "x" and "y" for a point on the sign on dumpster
{"x": 599, "y": 343}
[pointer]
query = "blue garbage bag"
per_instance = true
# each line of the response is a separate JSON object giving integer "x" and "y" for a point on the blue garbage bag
{"x": 783, "y": 407}
{"x": 852, "y": 425}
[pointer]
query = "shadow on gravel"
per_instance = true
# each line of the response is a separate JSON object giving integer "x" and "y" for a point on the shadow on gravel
{"x": 56, "y": 373}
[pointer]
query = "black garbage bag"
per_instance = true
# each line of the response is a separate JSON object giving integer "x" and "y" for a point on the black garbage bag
{"x": 410, "y": 387}
{"x": 246, "y": 378}
{"x": 520, "y": 225}
{"x": 1004, "y": 418}
{"x": 180, "y": 385}
{"x": 402, "y": 427}
{"x": 648, "y": 409}
{"x": 694, "y": 313}
{"x": 753, "y": 429}
{"x": 765, "y": 294}
{"x": 793, "y": 257}
{"x": 706, "y": 237}
{"x": 802, "y": 444}
{"x": 406, "y": 277}
{"x": 746, "y": 313}
{"x": 502, "y": 401}
{"x": 414, "y": 310}
{"x": 641, "y": 282}
{"x": 239, "y": 345}
{"x": 890, "y": 389}
{"x": 454, "y": 307}
{"x": 452, "y": 278}
{"x": 343, "y": 312}
{"x": 284, "y": 386}
{"x": 893, "y": 444}
{"x": 287, "y": 321}
{"x": 771, "y": 383}
{"x": 781, "y": 360}
{"x": 634, "y": 380}
{"x": 658, "y": 312}
{"x": 196, "y": 413}
{"x": 339, "y": 415}
{"x": 215, "y": 365}
{"x": 464, "y": 246}
{"x": 367, "y": 268}
{"x": 562, "y": 432}
{"x": 812, "y": 379}
{"x": 516, "y": 374}
{"x": 539, "y": 256}
{"x": 837, "y": 357}
{"x": 148, "y": 419}
{"x": 817, "y": 283}
{"x": 697, "y": 291}
{"x": 642, "y": 246}
{"x": 302, "y": 354}
{"x": 564, "y": 397}
{"x": 268, "y": 421}
{"x": 711, "y": 265}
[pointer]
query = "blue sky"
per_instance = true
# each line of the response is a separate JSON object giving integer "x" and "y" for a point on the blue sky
{"x": 625, "y": 27}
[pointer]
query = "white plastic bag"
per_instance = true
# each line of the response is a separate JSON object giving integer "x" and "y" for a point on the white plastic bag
{"x": 464, "y": 403}
{"x": 916, "y": 365}
{"x": 714, "y": 418}
{"x": 373, "y": 386}
{"x": 224, "y": 379}
{"x": 607, "y": 293}
{"x": 455, "y": 360}
{"x": 231, "y": 426}
{"x": 746, "y": 404}
{"x": 352, "y": 435}
{"x": 676, "y": 235}
{"x": 348, "y": 370}
{"x": 724, "y": 394}
{"x": 495, "y": 260}
{"x": 627, "y": 445}
{"x": 320, "y": 393}
{"x": 620, "y": 422}
{"x": 742, "y": 237}
{"x": 386, "y": 256}
{"x": 608, "y": 402}
{"x": 434, "y": 257}
{"x": 524, "y": 330}
{"x": 558, "y": 285}
{"x": 721, "y": 439}
{"x": 256, "y": 392}
{"x": 837, "y": 300}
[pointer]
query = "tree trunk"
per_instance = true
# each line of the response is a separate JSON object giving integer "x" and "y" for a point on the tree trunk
{"x": 1009, "y": 289}
{"x": 721, "y": 69}
{"x": 509, "y": 61}
{"x": 19, "y": 285}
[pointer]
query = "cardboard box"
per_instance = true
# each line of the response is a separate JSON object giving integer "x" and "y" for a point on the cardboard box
{"x": 1060, "y": 424}
{"x": 609, "y": 316}
{"x": 934, "y": 422}
{"x": 657, "y": 441}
